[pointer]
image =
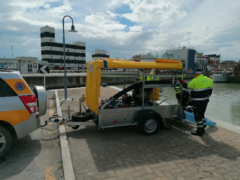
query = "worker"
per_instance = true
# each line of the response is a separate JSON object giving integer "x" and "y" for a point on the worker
{"x": 201, "y": 90}
{"x": 146, "y": 72}
{"x": 156, "y": 72}
{"x": 183, "y": 97}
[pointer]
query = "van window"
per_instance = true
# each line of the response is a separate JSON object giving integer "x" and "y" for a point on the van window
{"x": 5, "y": 89}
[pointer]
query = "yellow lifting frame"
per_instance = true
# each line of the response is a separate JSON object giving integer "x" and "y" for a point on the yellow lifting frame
{"x": 93, "y": 79}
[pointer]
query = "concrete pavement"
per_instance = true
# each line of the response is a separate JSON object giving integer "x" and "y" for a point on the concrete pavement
{"x": 124, "y": 153}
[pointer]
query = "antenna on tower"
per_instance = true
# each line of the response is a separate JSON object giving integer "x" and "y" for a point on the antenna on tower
{"x": 12, "y": 50}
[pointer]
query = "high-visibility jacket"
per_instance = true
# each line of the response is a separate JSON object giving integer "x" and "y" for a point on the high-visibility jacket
{"x": 147, "y": 78}
{"x": 201, "y": 88}
{"x": 153, "y": 78}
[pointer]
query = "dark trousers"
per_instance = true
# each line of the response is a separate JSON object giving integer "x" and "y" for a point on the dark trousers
{"x": 199, "y": 111}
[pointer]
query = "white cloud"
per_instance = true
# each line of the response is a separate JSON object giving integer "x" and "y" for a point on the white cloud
{"x": 154, "y": 13}
{"x": 103, "y": 21}
{"x": 58, "y": 11}
{"x": 121, "y": 43}
{"x": 135, "y": 28}
{"x": 47, "y": 6}
{"x": 151, "y": 25}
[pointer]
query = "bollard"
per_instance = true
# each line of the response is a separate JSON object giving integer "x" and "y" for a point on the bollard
{"x": 68, "y": 111}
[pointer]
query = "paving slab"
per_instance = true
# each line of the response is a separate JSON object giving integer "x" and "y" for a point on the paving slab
{"x": 125, "y": 153}
{"x": 38, "y": 155}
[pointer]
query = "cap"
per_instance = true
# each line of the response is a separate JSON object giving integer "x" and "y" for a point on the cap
{"x": 197, "y": 71}
{"x": 177, "y": 89}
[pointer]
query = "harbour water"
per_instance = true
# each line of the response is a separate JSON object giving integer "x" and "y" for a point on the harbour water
{"x": 224, "y": 103}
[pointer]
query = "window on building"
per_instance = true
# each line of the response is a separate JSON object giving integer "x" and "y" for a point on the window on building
{"x": 5, "y": 89}
{"x": 30, "y": 67}
{"x": 50, "y": 39}
{"x": 2, "y": 65}
{"x": 34, "y": 65}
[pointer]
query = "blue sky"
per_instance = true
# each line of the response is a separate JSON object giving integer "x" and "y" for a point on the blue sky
{"x": 123, "y": 27}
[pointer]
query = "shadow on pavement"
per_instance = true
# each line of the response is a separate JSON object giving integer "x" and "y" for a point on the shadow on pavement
{"x": 21, "y": 155}
{"x": 125, "y": 147}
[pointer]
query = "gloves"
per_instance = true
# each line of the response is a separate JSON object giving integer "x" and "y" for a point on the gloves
{"x": 181, "y": 81}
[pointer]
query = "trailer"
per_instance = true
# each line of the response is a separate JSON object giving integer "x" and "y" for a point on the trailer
{"x": 135, "y": 105}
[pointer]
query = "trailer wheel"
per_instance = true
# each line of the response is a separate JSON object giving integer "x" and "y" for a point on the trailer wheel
{"x": 75, "y": 127}
{"x": 149, "y": 124}
{"x": 5, "y": 141}
{"x": 81, "y": 117}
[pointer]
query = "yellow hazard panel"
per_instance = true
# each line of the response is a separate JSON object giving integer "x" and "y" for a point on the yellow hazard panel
{"x": 19, "y": 86}
{"x": 15, "y": 117}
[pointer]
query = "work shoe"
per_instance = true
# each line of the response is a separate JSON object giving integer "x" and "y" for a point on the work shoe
{"x": 197, "y": 133}
{"x": 204, "y": 123}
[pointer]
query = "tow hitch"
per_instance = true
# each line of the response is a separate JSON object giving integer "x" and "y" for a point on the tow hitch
{"x": 77, "y": 119}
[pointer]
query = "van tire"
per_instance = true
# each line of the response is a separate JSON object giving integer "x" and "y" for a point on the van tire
{"x": 5, "y": 148}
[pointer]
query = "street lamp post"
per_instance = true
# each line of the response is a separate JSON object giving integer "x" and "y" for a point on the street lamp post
{"x": 65, "y": 77}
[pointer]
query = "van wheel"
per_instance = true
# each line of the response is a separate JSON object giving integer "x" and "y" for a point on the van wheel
{"x": 5, "y": 141}
{"x": 149, "y": 124}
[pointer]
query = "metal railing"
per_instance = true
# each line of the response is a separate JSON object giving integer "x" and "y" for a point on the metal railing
{"x": 68, "y": 71}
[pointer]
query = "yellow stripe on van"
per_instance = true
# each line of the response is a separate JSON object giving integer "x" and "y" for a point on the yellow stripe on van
{"x": 15, "y": 117}
{"x": 19, "y": 86}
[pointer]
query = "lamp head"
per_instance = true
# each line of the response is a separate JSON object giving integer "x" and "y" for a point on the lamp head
{"x": 72, "y": 29}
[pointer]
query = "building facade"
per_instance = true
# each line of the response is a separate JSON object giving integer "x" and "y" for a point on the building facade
{"x": 99, "y": 53}
{"x": 148, "y": 57}
{"x": 52, "y": 52}
{"x": 227, "y": 65}
{"x": 25, "y": 65}
{"x": 213, "y": 60}
{"x": 201, "y": 61}
{"x": 186, "y": 55}
{"x": 136, "y": 58}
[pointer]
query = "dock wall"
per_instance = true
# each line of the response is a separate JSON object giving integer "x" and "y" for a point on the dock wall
{"x": 234, "y": 79}
{"x": 56, "y": 80}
